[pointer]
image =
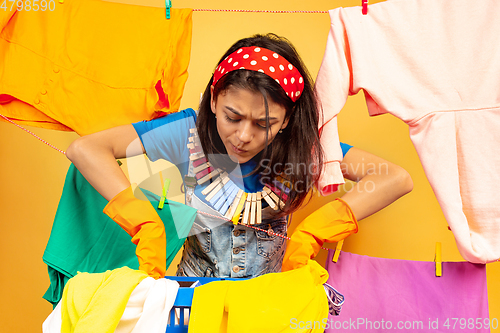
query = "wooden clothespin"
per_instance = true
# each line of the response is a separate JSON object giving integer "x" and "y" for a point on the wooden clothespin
{"x": 258, "y": 219}
{"x": 209, "y": 176}
{"x": 221, "y": 194}
{"x": 194, "y": 140}
{"x": 203, "y": 173}
{"x": 196, "y": 156}
{"x": 337, "y": 251}
{"x": 273, "y": 195}
{"x": 270, "y": 202}
{"x": 210, "y": 187}
{"x": 228, "y": 199}
{"x": 200, "y": 161}
{"x": 234, "y": 205}
{"x": 246, "y": 211}
{"x": 216, "y": 189}
{"x": 253, "y": 209}
{"x": 201, "y": 167}
{"x": 163, "y": 198}
{"x": 438, "y": 260}
{"x": 364, "y": 5}
{"x": 168, "y": 5}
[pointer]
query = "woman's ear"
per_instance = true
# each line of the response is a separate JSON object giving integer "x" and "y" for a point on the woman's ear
{"x": 212, "y": 100}
{"x": 285, "y": 123}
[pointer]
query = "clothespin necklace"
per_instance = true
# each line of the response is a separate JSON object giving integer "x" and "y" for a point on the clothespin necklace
{"x": 225, "y": 196}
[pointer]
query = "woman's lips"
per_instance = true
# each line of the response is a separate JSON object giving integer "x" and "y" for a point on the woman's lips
{"x": 238, "y": 151}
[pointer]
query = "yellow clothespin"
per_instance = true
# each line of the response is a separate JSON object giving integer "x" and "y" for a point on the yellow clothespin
{"x": 337, "y": 251}
{"x": 438, "y": 260}
{"x": 168, "y": 5}
{"x": 163, "y": 198}
{"x": 239, "y": 208}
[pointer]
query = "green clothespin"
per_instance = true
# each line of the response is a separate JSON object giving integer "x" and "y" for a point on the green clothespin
{"x": 163, "y": 198}
{"x": 168, "y": 5}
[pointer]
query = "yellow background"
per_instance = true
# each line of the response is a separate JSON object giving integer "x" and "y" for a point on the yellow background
{"x": 32, "y": 174}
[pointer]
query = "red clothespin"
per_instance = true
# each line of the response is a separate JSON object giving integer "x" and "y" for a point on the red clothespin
{"x": 364, "y": 4}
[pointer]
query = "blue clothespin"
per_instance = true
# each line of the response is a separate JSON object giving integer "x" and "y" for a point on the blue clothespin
{"x": 168, "y": 5}
{"x": 163, "y": 198}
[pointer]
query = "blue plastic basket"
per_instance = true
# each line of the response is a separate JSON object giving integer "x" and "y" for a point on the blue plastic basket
{"x": 182, "y": 304}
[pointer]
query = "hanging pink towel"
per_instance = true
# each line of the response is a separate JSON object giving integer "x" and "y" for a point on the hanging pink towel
{"x": 435, "y": 64}
{"x": 383, "y": 295}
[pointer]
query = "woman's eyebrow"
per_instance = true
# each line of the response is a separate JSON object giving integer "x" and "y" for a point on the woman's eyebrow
{"x": 239, "y": 114}
{"x": 234, "y": 111}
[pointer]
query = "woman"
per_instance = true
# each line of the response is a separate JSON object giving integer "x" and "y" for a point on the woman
{"x": 255, "y": 130}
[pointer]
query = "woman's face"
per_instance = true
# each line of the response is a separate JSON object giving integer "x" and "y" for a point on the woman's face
{"x": 241, "y": 122}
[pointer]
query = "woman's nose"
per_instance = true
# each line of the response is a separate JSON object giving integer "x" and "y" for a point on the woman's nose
{"x": 244, "y": 133}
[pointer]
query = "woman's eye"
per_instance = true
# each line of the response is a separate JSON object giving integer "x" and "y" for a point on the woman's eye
{"x": 262, "y": 125}
{"x": 231, "y": 120}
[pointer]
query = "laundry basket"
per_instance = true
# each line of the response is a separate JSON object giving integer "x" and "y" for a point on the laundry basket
{"x": 179, "y": 314}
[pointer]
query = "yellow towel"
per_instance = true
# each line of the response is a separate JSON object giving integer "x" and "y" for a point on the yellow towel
{"x": 292, "y": 301}
{"x": 95, "y": 302}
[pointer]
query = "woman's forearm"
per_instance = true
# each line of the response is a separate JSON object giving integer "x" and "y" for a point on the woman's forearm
{"x": 95, "y": 157}
{"x": 376, "y": 191}
{"x": 378, "y": 182}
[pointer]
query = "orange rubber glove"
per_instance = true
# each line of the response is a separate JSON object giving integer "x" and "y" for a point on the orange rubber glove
{"x": 330, "y": 223}
{"x": 141, "y": 221}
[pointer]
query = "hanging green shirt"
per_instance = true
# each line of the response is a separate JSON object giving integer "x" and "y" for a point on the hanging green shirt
{"x": 84, "y": 239}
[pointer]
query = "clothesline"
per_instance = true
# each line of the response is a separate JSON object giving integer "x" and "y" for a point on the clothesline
{"x": 36, "y": 136}
{"x": 250, "y": 226}
{"x": 263, "y": 11}
{"x": 200, "y": 212}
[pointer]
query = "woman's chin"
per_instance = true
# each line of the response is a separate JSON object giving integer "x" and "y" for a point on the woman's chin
{"x": 237, "y": 158}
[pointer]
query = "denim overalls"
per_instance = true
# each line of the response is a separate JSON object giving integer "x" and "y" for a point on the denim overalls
{"x": 219, "y": 248}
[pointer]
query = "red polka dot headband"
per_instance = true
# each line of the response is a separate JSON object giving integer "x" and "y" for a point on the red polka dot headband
{"x": 265, "y": 61}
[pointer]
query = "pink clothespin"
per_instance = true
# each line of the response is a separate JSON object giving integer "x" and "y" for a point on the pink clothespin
{"x": 364, "y": 4}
